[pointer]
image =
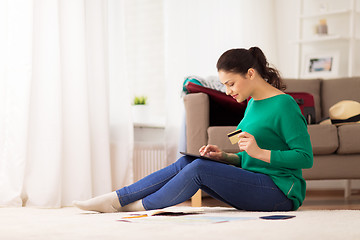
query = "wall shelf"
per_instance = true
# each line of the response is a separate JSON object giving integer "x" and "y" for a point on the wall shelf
{"x": 326, "y": 14}
{"x": 324, "y": 38}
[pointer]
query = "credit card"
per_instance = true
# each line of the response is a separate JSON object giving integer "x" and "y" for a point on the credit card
{"x": 233, "y": 136}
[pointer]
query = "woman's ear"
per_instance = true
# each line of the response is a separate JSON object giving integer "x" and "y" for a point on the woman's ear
{"x": 251, "y": 73}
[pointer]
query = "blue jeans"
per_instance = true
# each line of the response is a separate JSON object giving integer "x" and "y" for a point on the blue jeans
{"x": 179, "y": 181}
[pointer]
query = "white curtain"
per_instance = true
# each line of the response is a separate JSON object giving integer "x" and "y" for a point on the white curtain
{"x": 197, "y": 32}
{"x": 57, "y": 63}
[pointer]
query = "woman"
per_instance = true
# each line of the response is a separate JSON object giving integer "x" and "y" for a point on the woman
{"x": 274, "y": 148}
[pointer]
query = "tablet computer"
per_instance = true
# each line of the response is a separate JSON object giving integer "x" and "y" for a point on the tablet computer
{"x": 204, "y": 157}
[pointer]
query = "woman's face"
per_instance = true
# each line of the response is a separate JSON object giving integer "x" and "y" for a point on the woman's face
{"x": 237, "y": 85}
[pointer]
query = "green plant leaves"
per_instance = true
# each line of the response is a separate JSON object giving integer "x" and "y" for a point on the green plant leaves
{"x": 140, "y": 100}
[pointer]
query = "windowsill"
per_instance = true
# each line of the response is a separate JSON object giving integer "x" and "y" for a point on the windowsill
{"x": 152, "y": 122}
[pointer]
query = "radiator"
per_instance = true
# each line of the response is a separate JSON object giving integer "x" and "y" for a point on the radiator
{"x": 148, "y": 158}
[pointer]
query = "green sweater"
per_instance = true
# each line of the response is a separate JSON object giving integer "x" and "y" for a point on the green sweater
{"x": 278, "y": 125}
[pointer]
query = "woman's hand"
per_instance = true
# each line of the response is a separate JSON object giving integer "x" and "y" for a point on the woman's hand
{"x": 248, "y": 144}
{"x": 212, "y": 151}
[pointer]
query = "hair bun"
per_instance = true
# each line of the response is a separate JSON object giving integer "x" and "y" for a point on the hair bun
{"x": 239, "y": 60}
{"x": 259, "y": 56}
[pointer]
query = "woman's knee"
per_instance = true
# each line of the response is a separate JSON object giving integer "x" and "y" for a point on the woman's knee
{"x": 199, "y": 165}
{"x": 182, "y": 162}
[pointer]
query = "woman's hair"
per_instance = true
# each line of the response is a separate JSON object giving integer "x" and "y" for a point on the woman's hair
{"x": 240, "y": 60}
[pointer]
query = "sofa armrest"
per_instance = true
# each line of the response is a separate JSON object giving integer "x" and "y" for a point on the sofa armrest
{"x": 197, "y": 108}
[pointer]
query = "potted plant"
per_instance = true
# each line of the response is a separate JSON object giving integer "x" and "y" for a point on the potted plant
{"x": 140, "y": 109}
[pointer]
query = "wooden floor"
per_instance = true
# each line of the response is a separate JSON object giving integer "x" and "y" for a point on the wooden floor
{"x": 331, "y": 200}
{"x": 315, "y": 200}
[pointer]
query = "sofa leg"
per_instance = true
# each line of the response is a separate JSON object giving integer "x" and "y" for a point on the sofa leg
{"x": 347, "y": 190}
{"x": 196, "y": 199}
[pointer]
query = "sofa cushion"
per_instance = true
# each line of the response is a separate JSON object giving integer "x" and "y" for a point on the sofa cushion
{"x": 311, "y": 86}
{"x": 324, "y": 139}
{"x": 349, "y": 139}
{"x": 218, "y": 136}
{"x": 333, "y": 166}
{"x": 335, "y": 90}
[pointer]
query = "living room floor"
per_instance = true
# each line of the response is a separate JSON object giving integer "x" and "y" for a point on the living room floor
{"x": 315, "y": 200}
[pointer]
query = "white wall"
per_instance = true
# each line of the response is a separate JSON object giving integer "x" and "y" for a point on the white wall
{"x": 286, "y": 13}
{"x": 198, "y": 32}
{"x": 219, "y": 26}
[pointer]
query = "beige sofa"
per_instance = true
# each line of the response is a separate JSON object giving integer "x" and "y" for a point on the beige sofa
{"x": 336, "y": 149}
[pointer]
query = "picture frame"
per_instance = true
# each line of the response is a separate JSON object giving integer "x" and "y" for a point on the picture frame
{"x": 321, "y": 65}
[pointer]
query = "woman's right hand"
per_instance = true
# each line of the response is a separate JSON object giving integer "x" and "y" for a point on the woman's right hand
{"x": 212, "y": 151}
